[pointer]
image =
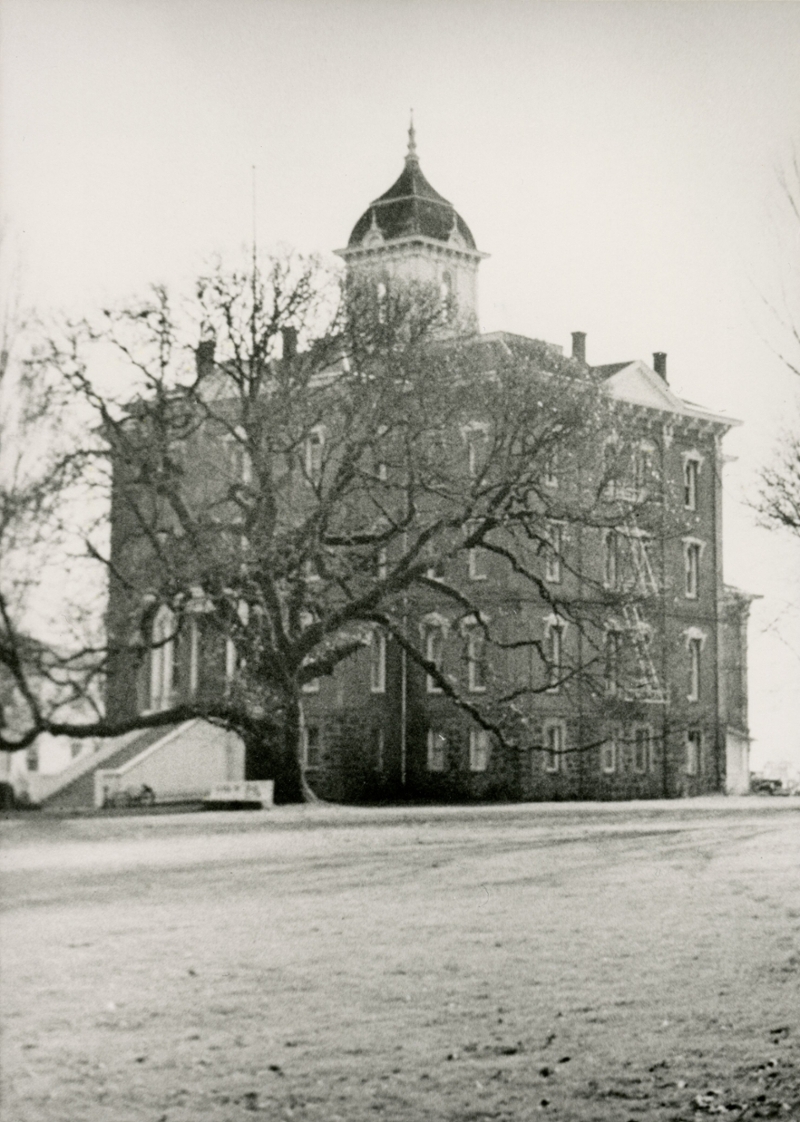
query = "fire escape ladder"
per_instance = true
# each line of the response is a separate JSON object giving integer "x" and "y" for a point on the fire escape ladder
{"x": 646, "y": 581}
{"x": 648, "y": 687}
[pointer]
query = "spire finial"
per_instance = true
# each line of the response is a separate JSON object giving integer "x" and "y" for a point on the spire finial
{"x": 412, "y": 140}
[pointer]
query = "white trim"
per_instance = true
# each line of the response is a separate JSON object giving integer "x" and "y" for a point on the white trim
{"x": 643, "y": 726}
{"x": 474, "y": 562}
{"x": 691, "y": 479}
{"x": 557, "y": 755}
{"x": 432, "y": 631}
{"x": 230, "y": 659}
{"x": 479, "y": 748}
{"x": 437, "y": 743}
{"x": 692, "y": 556}
{"x": 695, "y": 651}
{"x": 315, "y": 439}
{"x": 304, "y": 734}
{"x": 377, "y": 666}
{"x": 693, "y": 758}
{"x": 694, "y": 633}
{"x": 162, "y": 659}
{"x": 476, "y": 661}
{"x": 553, "y": 552}
{"x": 611, "y": 742}
{"x": 194, "y": 655}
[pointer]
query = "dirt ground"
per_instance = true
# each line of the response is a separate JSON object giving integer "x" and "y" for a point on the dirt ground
{"x": 576, "y": 961}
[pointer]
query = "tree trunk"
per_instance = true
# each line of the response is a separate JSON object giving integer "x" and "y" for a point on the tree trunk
{"x": 271, "y": 755}
{"x": 288, "y": 777}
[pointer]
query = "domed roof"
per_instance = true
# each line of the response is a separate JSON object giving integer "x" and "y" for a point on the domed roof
{"x": 411, "y": 206}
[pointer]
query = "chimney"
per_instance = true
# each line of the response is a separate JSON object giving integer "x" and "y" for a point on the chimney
{"x": 660, "y": 363}
{"x": 204, "y": 356}
{"x": 579, "y": 346}
{"x": 289, "y": 341}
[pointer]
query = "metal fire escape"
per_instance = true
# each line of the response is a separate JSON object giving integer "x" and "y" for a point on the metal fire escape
{"x": 648, "y": 687}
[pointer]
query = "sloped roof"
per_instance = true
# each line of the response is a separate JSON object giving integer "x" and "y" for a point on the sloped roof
{"x": 634, "y": 382}
{"x": 411, "y": 206}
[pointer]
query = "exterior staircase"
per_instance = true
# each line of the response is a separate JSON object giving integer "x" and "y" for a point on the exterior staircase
{"x": 73, "y": 788}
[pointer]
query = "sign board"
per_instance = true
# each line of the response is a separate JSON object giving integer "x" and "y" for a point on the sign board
{"x": 251, "y": 793}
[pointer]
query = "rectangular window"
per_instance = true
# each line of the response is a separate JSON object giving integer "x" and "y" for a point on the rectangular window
{"x": 32, "y": 758}
{"x": 551, "y": 470}
{"x": 610, "y": 470}
{"x": 434, "y": 652}
{"x": 692, "y": 563}
{"x": 478, "y": 750}
{"x": 194, "y": 655}
{"x": 437, "y": 750}
{"x": 693, "y": 747}
{"x": 476, "y": 660}
{"x": 695, "y": 647}
{"x": 642, "y": 737}
{"x": 690, "y": 477}
{"x": 612, "y": 662}
{"x": 379, "y": 745}
{"x": 240, "y": 468}
{"x": 476, "y": 452}
{"x": 608, "y": 752}
{"x": 553, "y": 745}
{"x": 555, "y": 644}
{"x": 315, "y": 443}
{"x": 610, "y": 559}
{"x": 230, "y": 660}
{"x": 377, "y": 662}
{"x": 477, "y": 563}
{"x": 312, "y": 746}
{"x": 642, "y": 469}
{"x": 552, "y": 556}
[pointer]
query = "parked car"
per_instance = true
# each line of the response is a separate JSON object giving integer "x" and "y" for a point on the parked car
{"x": 768, "y": 787}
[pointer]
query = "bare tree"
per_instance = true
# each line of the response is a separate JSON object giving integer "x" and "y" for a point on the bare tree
{"x": 778, "y": 501}
{"x": 295, "y": 466}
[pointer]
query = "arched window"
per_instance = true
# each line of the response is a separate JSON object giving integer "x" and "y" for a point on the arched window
{"x": 163, "y": 663}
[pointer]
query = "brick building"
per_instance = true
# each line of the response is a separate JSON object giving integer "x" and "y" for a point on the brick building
{"x": 664, "y": 712}
{"x": 645, "y": 698}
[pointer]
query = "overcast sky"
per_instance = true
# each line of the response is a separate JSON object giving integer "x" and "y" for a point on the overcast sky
{"x": 618, "y": 161}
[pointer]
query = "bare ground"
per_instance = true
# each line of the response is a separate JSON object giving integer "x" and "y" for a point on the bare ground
{"x": 588, "y": 962}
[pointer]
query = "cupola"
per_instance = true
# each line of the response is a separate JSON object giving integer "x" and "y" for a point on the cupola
{"x": 412, "y": 233}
